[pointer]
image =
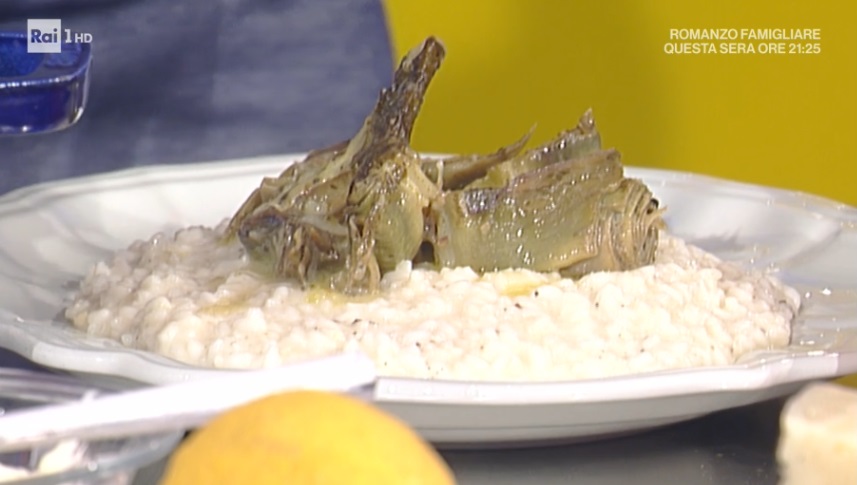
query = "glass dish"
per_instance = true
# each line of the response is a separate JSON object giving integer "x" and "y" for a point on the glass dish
{"x": 101, "y": 462}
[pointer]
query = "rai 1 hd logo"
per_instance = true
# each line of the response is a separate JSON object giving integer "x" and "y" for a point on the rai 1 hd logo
{"x": 48, "y": 36}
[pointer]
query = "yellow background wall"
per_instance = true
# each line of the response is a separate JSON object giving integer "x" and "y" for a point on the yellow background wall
{"x": 782, "y": 120}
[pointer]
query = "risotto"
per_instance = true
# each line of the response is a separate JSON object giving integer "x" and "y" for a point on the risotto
{"x": 196, "y": 299}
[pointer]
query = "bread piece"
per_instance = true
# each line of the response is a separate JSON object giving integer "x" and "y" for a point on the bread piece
{"x": 818, "y": 436}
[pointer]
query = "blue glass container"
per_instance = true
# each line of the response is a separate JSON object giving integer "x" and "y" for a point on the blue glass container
{"x": 41, "y": 92}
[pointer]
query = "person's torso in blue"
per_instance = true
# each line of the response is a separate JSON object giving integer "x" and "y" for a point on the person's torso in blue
{"x": 188, "y": 81}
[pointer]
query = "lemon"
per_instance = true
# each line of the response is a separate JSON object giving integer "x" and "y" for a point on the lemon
{"x": 306, "y": 437}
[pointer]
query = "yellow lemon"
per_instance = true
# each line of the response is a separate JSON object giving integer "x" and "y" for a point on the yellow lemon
{"x": 306, "y": 437}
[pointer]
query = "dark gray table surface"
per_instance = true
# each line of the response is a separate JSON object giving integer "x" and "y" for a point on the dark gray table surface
{"x": 734, "y": 447}
{"x": 179, "y": 82}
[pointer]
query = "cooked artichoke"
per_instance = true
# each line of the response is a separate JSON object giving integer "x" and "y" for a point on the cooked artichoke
{"x": 351, "y": 212}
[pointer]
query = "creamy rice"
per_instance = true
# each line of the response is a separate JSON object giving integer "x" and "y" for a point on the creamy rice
{"x": 193, "y": 298}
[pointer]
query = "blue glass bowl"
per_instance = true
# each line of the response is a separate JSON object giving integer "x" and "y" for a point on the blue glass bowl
{"x": 41, "y": 92}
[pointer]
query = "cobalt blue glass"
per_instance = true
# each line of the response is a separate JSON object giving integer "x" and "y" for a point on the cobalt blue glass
{"x": 41, "y": 92}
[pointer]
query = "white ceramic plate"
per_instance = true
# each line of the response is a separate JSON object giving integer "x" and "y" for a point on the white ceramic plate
{"x": 50, "y": 235}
